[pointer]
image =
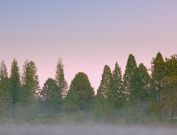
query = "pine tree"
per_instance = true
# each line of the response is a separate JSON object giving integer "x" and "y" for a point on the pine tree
{"x": 30, "y": 83}
{"x": 116, "y": 95}
{"x": 140, "y": 85}
{"x": 51, "y": 96}
{"x": 80, "y": 96}
{"x": 4, "y": 87}
{"x": 106, "y": 81}
{"x": 15, "y": 86}
{"x": 169, "y": 88}
{"x": 158, "y": 75}
{"x": 130, "y": 72}
{"x": 103, "y": 105}
{"x": 145, "y": 82}
{"x": 60, "y": 79}
{"x": 139, "y": 94}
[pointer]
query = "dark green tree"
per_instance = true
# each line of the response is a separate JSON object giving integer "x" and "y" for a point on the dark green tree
{"x": 51, "y": 96}
{"x": 4, "y": 87}
{"x": 140, "y": 91}
{"x": 30, "y": 83}
{"x": 140, "y": 85}
{"x": 80, "y": 96}
{"x": 130, "y": 72}
{"x": 103, "y": 107}
{"x": 106, "y": 83}
{"x": 60, "y": 78}
{"x": 116, "y": 96}
{"x": 15, "y": 86}
{"x": 158, "y": 74}
{"x": 169, "y": 91}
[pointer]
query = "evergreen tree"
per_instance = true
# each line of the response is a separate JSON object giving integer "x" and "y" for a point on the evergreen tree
{"x": 30, "y": 83}
{"x": 80, "y": 96}
{"x": 139, "y": 97}
{"x": 60, "y": 79}
{"x": 51, "y": 96}
{"x": 103, "y": 106}
{"x": 15, "y": 85}
{"x": 144, "y": 83}
{"x": 139, "y": 94}
{"x": 4, "y": 87}
{"x": 140, "y": 85}
{"x": 116, "y": 95}
{"x": 130, "y": 72}
{"x": 106, "y": 83}
{"x": 158, "y": 75}
{"x": 169, "y": 91}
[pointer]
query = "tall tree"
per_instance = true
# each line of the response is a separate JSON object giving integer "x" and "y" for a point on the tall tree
{"x": 60, "y": 78}
{"x": 15, "y": 85}
{"x": 158, "y": 75}
{"x": 51, "y": 96}
{"x": 4, "y": 87}
{"x": 130, "y": 72}
{"x": 102, "y": 107}
{"x": 169, "y": 91}
{"x": 116, "y": 94}
{"x": 106, "y": 83}
{"x": 140, "y": 85}
{"x": 30, "y": 83}
{"x": 80, "y": 96}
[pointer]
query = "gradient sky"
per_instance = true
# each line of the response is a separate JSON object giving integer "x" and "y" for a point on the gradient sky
{"x": 86, "y": 34}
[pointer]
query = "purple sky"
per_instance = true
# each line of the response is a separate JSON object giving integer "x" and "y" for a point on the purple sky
{"x": 86, "y": 34}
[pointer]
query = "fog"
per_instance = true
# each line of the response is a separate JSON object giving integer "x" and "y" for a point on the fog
{"x": 83, "y": 129}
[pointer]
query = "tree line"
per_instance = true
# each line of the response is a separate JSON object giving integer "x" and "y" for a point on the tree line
{"x": 137, "y": 95}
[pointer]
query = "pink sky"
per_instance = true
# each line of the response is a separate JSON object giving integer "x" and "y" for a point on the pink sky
{"x": 86, "y": 35}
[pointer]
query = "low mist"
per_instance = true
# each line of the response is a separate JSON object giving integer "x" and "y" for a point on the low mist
{"x": 83, "y": 129}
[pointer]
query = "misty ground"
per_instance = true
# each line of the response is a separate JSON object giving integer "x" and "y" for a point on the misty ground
{"x": 84, "y": 129}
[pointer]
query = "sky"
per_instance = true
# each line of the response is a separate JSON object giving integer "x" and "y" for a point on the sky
{"x": 86, "y": 34}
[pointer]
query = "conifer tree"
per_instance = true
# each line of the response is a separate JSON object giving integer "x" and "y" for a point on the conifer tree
{"x": 51, "y": 96}
{"x": 4, "y": 87}
{"x": 60, "y": 78}
{"x": 103, "y": 106}
{"x": 115, "y": 94}
{"x": 15, "y": 86}
{"x": 145, "y": 82}
{"x": 139, "y": 94}
{"x": 140, "y": 86}
{"x": 30, "y": 83}
{"x": 140, "y": 83}
{"x": 158, "y": 75}
{"x": 106, "y": 83}
{"x": 130, "y": 72}
{"x": 169, "y": 91}
{"x": 80, "y": 96}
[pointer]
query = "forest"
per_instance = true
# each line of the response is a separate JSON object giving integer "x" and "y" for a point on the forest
{"x": 141, "y": 94}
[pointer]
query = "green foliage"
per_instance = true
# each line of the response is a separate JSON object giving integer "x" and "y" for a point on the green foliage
{"x": 158, "y": 70}
{"x": 106, "y": 83}
{"x": 130, "y": 72}
{"x": 158, "y": 75}
{"x": 140, "y": 85}
{"x": 15, "y": 85}
{"x": 116, "y": 96}
{"x": 30, "y": 83}
{"x": 51, "y": 96}
{"x": 4, "y": 87}
{"x": 103, "y": 106}
{"x": 80, "y": 96}
{"x": 137, "y": 97}
{"x": 60, "y": 78}
{"x": 169, "y": 89}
